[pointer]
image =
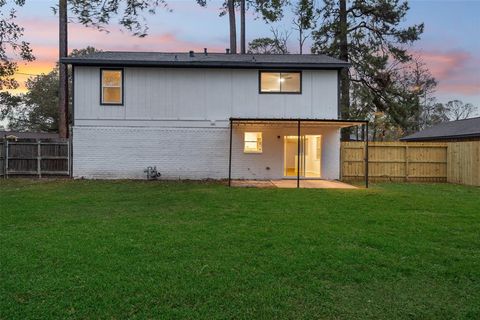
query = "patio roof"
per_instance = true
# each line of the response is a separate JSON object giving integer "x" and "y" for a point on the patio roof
{"x": 294, "y": 122}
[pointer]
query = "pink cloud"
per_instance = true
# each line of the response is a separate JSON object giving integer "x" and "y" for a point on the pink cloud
{"x": 43, "y": 37}
{"x": 457, "y": 72}
{"x": 45, "y": 53}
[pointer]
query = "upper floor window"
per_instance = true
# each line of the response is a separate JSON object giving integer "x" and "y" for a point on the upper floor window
{"x": 111, "y": 86}
{"x": 280, "y": 82}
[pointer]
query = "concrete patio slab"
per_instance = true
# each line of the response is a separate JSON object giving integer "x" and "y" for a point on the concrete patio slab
{"x": 253, "y": 183}
{"x": 313, "y": 184}
{"x": 308, "y": 184}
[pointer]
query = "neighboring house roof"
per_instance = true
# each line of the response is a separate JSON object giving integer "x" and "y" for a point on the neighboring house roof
{"x": 468, "y": 128}
{"x": 29, "y": 135}
{"x": 210, "y": 60}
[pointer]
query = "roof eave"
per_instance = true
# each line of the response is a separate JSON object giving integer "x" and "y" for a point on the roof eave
{"x": 460, "y": 136}
{"x": 204, "y": 64}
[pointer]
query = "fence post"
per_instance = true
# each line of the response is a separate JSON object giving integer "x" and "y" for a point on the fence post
{"x": 39, "y": 159}
{"x": 4, "y": 164}
{"x": 406, "y": 162}
{"x": 69, "y": 158}
{"x": 342, "y": 157}
{"x": 366, "y": 153}
{"x": 6, "y": 158}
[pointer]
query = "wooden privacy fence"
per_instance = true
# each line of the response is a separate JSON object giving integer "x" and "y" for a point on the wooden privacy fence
{"x": 34, "y": 158}
{"x": 463, "y": 162}
{"x": 395, "y": 161}
{"x": 455, "y": 162}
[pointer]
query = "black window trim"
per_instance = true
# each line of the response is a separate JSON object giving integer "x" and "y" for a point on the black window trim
{"x": 279, "y": 71}
{"x": 101, "y": 87}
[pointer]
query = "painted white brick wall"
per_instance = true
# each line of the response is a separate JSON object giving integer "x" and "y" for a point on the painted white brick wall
{"x": 124, "y": 152}
{"x": 189, "y": 153}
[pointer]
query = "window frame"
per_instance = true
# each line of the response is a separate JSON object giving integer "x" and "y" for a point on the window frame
{"x": 318, "y": 149}
{"x": 122, "y": 87}
{"x": 279, "y": 71}
{"x": 261, "y": 139}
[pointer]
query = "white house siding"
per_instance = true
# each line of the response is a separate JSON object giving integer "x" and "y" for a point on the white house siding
{"x": 188, "y": 153}
{"x": 159, "y": 94}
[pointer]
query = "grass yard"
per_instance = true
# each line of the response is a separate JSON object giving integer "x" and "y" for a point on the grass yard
{"x": 117, "y": 250}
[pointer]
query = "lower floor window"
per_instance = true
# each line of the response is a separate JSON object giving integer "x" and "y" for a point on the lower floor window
{"x": 252, "y": 142}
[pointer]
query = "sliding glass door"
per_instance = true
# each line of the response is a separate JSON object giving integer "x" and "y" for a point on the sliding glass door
{"x": 310, "y": 156}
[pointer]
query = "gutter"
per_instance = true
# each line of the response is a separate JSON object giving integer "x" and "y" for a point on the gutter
{"x": 205, "y": 64}
{"x": 471, "y": 135}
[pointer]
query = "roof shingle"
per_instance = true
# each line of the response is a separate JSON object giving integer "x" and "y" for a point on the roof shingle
{"x": 202, "y": 60}
{"x": 467, "y": 128}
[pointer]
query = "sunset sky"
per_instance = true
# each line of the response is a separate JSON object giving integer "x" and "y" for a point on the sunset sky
{"x": 450, "y": 45}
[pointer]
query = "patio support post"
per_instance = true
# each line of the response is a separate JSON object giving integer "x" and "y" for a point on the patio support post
{"x": 298, "y": 154}
{"x": 230, "y": 156}
{"x": 366, "y": 154}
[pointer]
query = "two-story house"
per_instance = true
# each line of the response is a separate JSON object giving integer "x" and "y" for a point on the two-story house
{"x": 206, "y": 115}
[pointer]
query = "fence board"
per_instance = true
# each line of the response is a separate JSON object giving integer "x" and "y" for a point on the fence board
{"x": 395, "y": 161}
{"x": 464, "y": 163}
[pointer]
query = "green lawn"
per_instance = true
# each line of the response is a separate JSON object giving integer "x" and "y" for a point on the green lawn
{"x": 116, "y": 250}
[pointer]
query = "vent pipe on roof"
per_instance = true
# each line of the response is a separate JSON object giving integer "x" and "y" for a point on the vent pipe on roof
{"x": 227, "y": 51}
{"x": 205, "y": 51}
{"x": 191, "y": 54}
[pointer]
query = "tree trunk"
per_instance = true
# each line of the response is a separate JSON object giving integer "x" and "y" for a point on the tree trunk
{"x": 300, "y": 30}
{"x": 345, "y": 81}
{"x": 242, "y": 27}
{"x": 63, "y": 90}
{"x": 233, "y": 28}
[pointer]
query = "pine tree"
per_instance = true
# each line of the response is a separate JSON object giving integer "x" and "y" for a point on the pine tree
{"x": 304, "y": 20}
{"x": 369, "y": 35}
{"x": 98, "y": 14}
{"x": 268, "y": 10}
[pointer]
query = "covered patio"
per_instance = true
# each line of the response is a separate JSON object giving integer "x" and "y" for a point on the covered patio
{"x": 288, "y": 153}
